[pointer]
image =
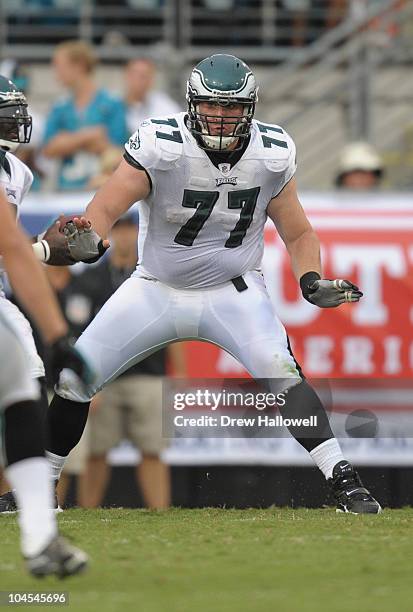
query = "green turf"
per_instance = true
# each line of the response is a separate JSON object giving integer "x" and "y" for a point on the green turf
{"x": 217, "y": 560}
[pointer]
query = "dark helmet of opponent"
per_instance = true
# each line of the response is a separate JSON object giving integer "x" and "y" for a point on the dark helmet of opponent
{"x": 15, "y": 122}
{"x": 222, "y": 79}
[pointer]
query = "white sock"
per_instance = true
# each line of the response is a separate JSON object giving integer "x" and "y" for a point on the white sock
{"x": 56, "y": 463}
{"x": 327, "y": 455}
{"x": 30, "y": 480}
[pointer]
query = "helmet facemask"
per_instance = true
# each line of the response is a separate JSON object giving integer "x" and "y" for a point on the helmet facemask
{"x": 232, "y": 128}
{"x": 15, "y": 122}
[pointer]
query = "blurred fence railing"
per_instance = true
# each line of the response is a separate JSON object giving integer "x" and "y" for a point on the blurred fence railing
{"x": 265, "y": 30}
{"x": 349, "y": 86}
{"x": 333, "y": 68}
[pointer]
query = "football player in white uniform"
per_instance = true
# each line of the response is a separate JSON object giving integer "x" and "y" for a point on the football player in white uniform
{"x": 27, "y": 468}
{"x": 208, "y": 180}
{"x": 21, "y": 434}
{"x": 15, "y": 180}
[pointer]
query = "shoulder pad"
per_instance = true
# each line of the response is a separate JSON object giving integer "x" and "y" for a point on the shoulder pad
{"x": 157, "y": 143}
{"x": 276, "y": 147}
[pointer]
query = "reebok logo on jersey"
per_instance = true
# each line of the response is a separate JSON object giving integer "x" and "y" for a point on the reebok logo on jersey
{"x": 11, "y": 193}
{"x": 226, "y": 180}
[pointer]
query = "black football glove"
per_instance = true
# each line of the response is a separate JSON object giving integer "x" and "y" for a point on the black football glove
{"x": 63, "y": 354}
{"x": 326, "y": 293}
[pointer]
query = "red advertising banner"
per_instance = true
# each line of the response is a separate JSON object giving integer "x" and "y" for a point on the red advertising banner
{"x": 373, "y": 247}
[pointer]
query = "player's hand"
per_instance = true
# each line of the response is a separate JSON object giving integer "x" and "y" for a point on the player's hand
{"x": 64, "y": 355}
{"x": 57, "y": 241}
{"x": 83, "y": 242}
{"x": 326, "y": 293}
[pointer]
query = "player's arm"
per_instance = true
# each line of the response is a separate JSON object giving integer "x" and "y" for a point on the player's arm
{"x": 84, "y": 238}
{"x": 87, "y": 234}
{"x": 126, "y": 186}
{"x": 303, "y": 246}
{"x": 51, "y": 246}
{"x": 33, "y": 290}
{"x": 295, "y": 230}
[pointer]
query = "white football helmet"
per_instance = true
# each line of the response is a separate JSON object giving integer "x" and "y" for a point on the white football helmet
{"x": 222, "y": 79}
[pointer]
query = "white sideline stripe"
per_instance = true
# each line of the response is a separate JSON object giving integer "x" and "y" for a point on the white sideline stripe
{"x": 56, "y": 511}
{"x": 362, "y": 223}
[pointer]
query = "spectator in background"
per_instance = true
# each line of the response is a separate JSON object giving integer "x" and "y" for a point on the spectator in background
{"x": 142, "y": 101}
{"x": 131, "y": 406}
{"x": 360, "y": 167}
{"x": 81, "y": 127}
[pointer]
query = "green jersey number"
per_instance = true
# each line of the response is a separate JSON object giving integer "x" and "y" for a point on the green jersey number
{"x": 176, "y": 134}
{"x": 267, "y": 141}
{"x": 204, "y": 202}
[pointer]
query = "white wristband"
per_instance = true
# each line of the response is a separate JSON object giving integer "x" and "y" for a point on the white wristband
{"x": 41, "y": 250}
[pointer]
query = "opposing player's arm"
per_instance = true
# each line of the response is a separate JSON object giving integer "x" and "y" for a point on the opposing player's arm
{"x": 295, "y": 230}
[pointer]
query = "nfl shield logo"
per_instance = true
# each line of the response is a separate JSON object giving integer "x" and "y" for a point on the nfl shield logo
{"x": 224, "y": 168}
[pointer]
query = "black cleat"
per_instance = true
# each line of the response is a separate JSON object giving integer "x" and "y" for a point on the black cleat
{"x": 350, "y": 494}
{"x": 8, "y": 503}
{"x": 59, "y": 558}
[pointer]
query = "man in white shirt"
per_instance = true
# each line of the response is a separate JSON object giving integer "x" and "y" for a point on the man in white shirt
{"x": 141, "y": 99}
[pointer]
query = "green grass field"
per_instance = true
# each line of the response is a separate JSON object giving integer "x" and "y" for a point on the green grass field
{"x": 229, "y": 561}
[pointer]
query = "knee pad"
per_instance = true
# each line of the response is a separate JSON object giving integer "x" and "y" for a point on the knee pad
{"x": 70, "y": 387}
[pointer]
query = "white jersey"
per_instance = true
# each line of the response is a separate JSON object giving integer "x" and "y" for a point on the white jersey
{"x": 15, "y": 180}
{"x": 201, "y": 225}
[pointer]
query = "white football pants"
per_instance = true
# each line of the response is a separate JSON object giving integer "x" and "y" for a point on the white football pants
{"x": 16, "y": 381}
{"x": 144, "y": 315}
{"x": 18, "y": 322}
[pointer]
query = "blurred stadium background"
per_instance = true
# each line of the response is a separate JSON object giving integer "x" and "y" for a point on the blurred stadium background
{"x": 337, "y": 75}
